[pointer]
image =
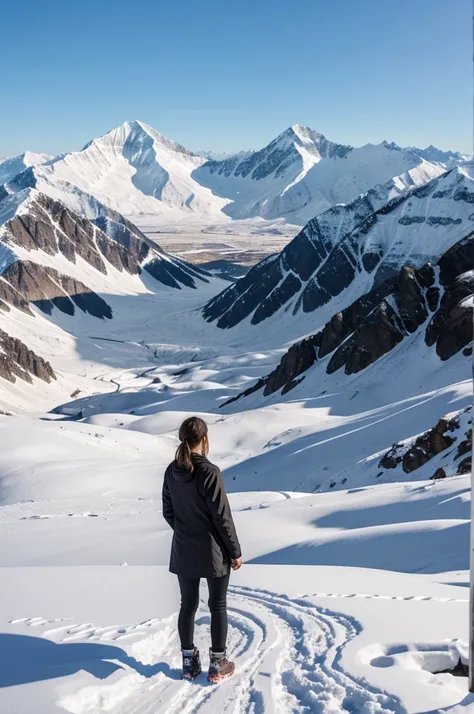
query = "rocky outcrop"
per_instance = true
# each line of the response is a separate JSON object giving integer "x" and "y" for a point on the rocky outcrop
{"x": 166, "y": 269}
{"x": 51, "y": 227}
{"x": 46, "y": 225}
{"x": 46, "y": 288}
{"x": 451, "y": 437}
{"x": 451, "y": 326}
{"x": 17, "y": 360}
{"x": 360, "y": 243}
{"x": 434, "y": 298}
{"x": 10, "y": 296}
{"x": 430, "y": 444}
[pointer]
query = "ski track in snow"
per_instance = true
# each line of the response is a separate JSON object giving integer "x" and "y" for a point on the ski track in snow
{"x": 287, "y": 652}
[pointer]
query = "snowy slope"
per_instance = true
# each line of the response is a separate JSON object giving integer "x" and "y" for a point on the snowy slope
{"x": 343, "y": 253}
{"x": 348, "y": 601}
{"x": 132, "y": 169}
{"x": 432, "y": 305}
{"x": 301, "y": 174}
{"x": 135, "y": 170}
{"x": 76, "y": 275}
{"x": 347, "y": 597}
{"x": 350, "y": 491}
{"x": 9, "y": 168}
{"x": 447, "y": 158}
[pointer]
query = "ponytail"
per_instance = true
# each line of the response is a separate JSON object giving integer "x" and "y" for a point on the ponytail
{"x": 183, "y": 456}
{"x": 192, "y": 432}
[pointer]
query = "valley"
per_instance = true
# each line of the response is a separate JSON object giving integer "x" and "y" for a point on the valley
{"x": 311, "y": 301}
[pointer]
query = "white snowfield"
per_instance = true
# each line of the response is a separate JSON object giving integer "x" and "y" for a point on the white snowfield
{"x": 349, "y": 600}
{"x": 353, "y": 598}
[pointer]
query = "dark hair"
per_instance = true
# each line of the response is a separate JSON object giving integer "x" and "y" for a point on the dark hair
{"x": 191, "y": 432}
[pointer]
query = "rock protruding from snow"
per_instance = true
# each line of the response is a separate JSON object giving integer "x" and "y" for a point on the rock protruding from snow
{"x": 42, "y": 244}
{"x": 17, "y": 360}
{"x": 280, "y": 156}
{"x": 343, "y": 253}
{"x": 301, "y": 174}
{"x": 434, "y": 298}
{"x": 451, "y": 436}
{"x": 46, "y": 288}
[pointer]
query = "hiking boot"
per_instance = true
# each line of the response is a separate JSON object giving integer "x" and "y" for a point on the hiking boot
{"x": 191, "y": 663}
{"x": 220, "y": 667}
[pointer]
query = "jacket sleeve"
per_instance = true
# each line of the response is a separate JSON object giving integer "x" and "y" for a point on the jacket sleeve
{"x": 168, "y": 513}
{"x": 218, "y": 504}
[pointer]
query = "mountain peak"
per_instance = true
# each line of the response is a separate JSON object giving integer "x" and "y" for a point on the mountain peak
{"x": 305, "y": 133}
{"x": 136, "y": 133}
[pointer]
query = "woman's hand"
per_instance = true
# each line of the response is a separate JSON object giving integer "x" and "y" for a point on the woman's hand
{"x": 236, "y": 563}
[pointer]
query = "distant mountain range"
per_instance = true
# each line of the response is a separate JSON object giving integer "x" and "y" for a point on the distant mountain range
{"x": 385, "y": 252}
{"x": 134, "y": 169}
{"x": 346, "y": 251}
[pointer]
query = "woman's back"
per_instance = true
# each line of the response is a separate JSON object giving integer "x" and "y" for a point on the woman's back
{"x": 196, "y": 507}
{"x": 205, "y": 545}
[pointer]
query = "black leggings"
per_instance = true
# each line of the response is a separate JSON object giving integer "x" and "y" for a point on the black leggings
{"x": 217, "y": 605}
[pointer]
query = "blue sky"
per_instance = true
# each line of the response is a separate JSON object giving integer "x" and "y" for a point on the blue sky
{"x": 227, "y": 74}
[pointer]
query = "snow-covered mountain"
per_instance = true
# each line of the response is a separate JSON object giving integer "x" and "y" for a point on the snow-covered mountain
{"x": 134, "y": 169}
{"x": 218, "y": 155}
{"x": 433, "y": 302}
{"x": 62, "y": 267}
{"x": 447, "y": 158}
{"x": 301, "y": 174}
{"x": 343, "y": 253}
{"x": 131, "y": 169}
{"x": 40, "y": 237}
{"x": 9, "y": 168}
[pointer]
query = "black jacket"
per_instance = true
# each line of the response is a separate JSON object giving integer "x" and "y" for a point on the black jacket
{"x": 196, "y": 507}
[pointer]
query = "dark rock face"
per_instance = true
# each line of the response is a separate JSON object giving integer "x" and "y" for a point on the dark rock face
{"x": 277, "y": 157}
{"x": 430, "y": 444}
{"x": 46, "y": 288}
{"x": 451, "y": 436}
{"x": 122, "y": 232}
{"x": 10, "y": 296}
{"x": 339, "y": 245}
{"x": 17, "y": 360}
{"x": 51, "y": 227}
{"x": 111, "y": 239}
{"x": 465, "y": 466}
{"x": 137, "y": 248}
{"x": 451, "y": 326}
{"x": 376, "y": 323}
{"x": 296, "y": 361}
{"x": 392, "y": 458}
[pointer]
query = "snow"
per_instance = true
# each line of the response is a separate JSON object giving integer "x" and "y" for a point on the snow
{"x": 350, "y": 598}
{"x": 409, "y": 232}
{"x": 132, "y": 169}
{"x": 88, "y": 619}
{"x": 314, "y": 184}
{"x": 137, "y": 171}
{"x": 9, "y": 168}
{"x": 353, "y": 594}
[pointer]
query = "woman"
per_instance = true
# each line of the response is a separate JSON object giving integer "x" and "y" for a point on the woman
{"x": 205, "y": 545}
